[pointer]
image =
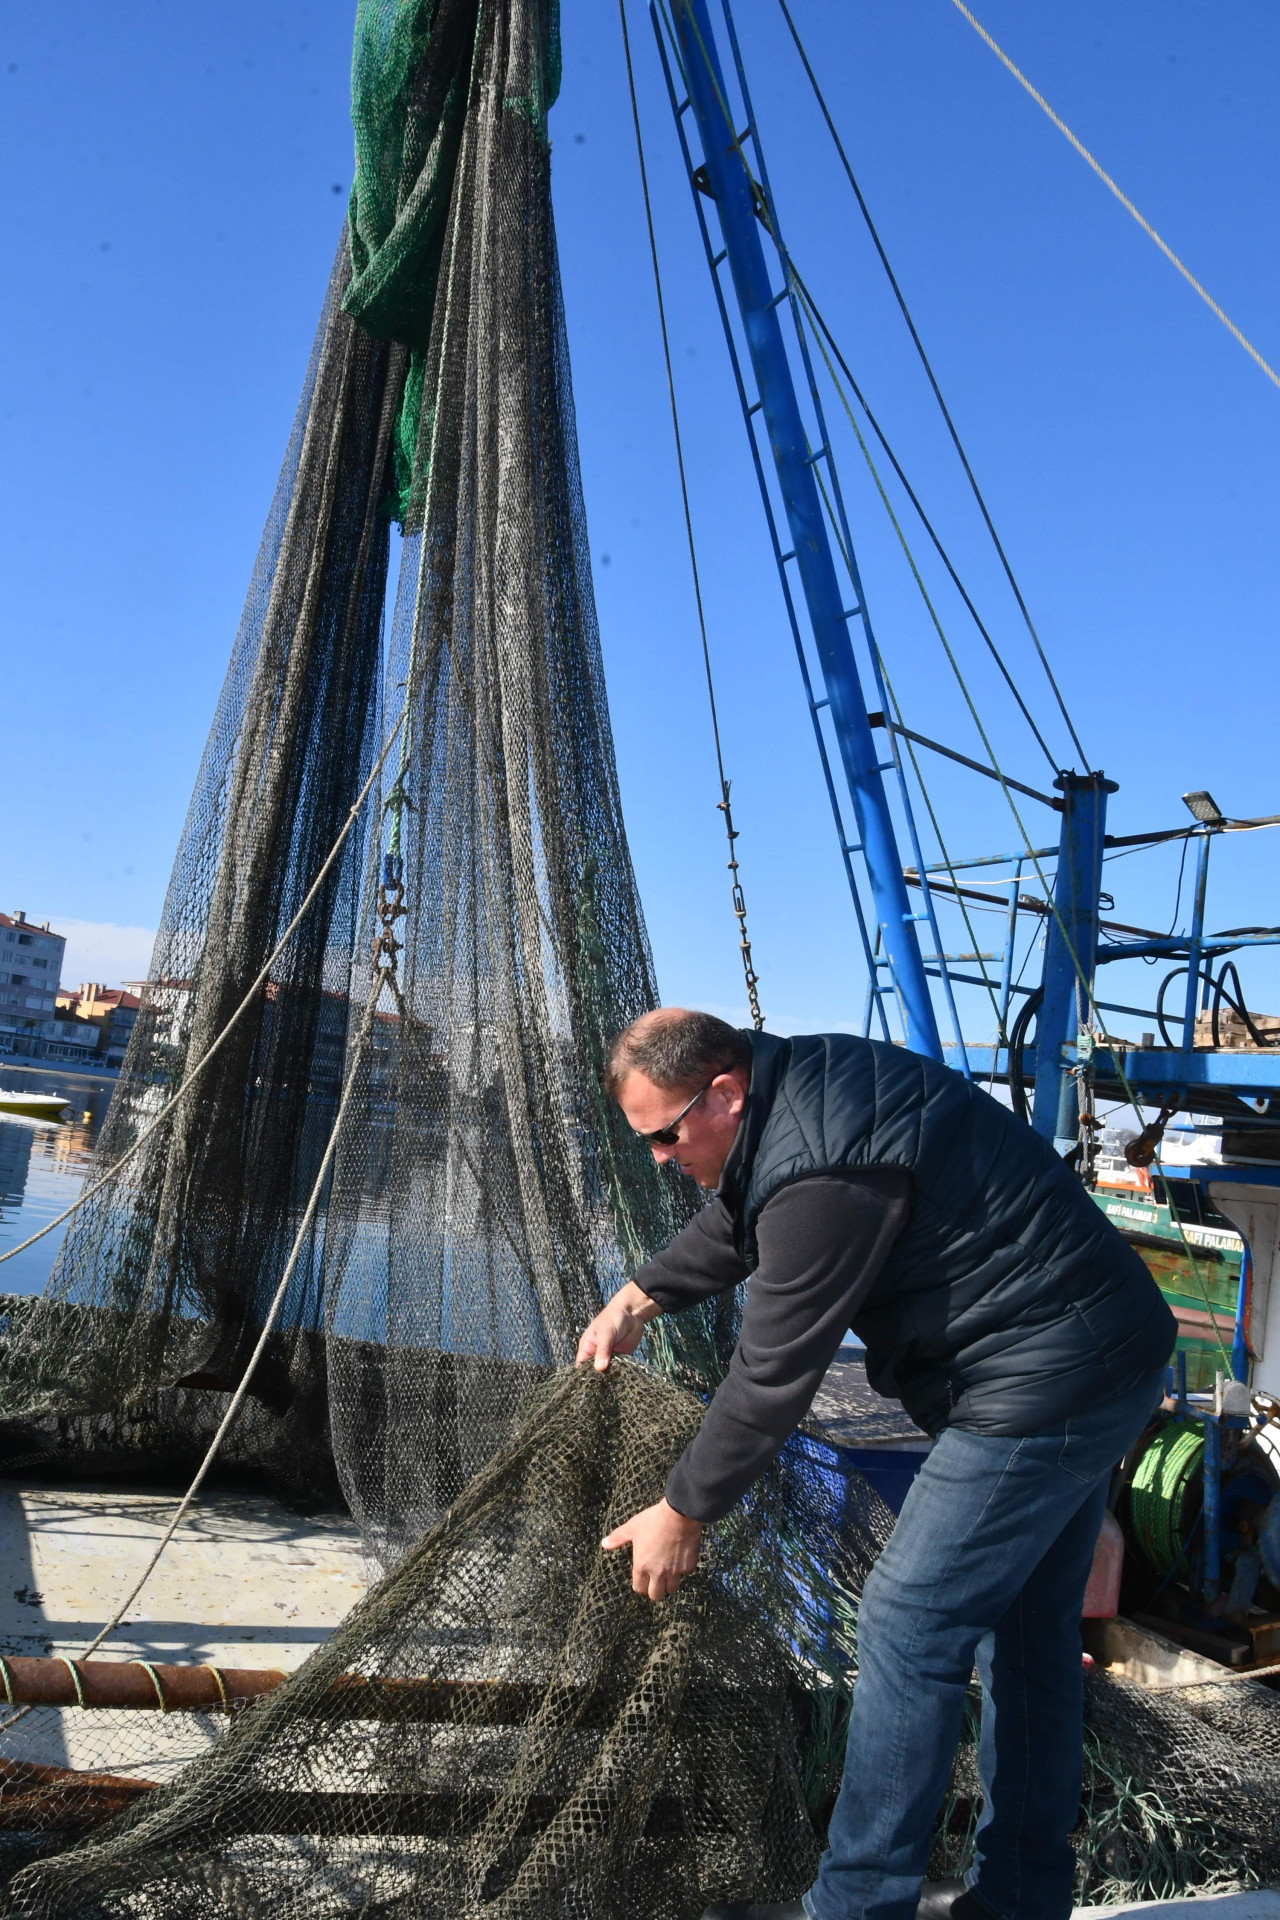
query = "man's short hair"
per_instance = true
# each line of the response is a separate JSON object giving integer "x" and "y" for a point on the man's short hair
{"x": 676, "y": 1049}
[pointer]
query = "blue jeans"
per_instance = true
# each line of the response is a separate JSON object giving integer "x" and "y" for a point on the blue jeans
{"x": 987, "y": 1565}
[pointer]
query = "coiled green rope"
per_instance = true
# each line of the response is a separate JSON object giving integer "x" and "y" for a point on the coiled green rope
{"x": 1158, "y": 1493}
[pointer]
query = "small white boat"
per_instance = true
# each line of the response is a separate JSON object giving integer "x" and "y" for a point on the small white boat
{"x": 33, "y": 1106}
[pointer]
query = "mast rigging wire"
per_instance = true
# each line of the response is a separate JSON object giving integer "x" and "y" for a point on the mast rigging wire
{"x": 937, "y": 390}
{"x": 818, "y": 322}
{"x": 925, "y": 795}
{"x": 1108, "y": 182}
{"x": 1092, "y": 1013}
{"x": 739, "y": 902}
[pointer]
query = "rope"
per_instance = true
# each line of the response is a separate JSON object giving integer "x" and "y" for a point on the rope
{"x": 1123, "y": 198}
{"x": 8, "y": 1685}
{"x": 1158, "y": 1493}
{"x": 238, "y": 1397}
{"x": 220, "y": 1684}
{"x": 915, "y": 571}
{"x": 911, "y": 752}
{"x": 1030, "y": 851}
{"x": 154, "y": 1678}
{"x": 215, "y": 1046}
{"x": 816, "y": 320}
{"x": 1221, "y": 1679}
{"x": 1194, "y": 1266}
{"x": 74, "y": 1671}
{"x": 739, "y": 901}
{"x": 942, "y": 405}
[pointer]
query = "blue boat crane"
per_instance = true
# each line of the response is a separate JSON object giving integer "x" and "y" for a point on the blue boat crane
{"x": 1054, "y": 1078}
{"x": 729, "y": 185}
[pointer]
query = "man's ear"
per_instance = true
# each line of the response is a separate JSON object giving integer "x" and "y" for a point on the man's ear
{"x": 735, "y": 1094}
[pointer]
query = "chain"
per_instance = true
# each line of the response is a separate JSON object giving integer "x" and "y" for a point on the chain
{"x": 1090, "y": 1125}
{"x": 740, "y": 912}
{"x": 390, "y": 908}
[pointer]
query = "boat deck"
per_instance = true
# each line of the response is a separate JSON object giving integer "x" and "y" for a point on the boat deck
{"x": 245, "y": 1583}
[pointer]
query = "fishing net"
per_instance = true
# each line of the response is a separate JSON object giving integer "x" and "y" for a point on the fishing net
{"x": 410, "y": 1110}
{"x": 164, "y": 1275}
{"x": 503, "y": 1725}
{"x": 478, "y": 939}
{"x": 1181, "y": 1793}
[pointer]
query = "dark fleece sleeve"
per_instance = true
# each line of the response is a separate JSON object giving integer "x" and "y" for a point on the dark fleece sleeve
{"x": 823, "y": 1242}
{"x": 701, "y": 1261}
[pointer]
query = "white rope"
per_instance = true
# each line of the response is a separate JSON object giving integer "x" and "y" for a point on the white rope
{"x": 273, "y": 1314}
{"x": 238, "y": 1397}
{"x": 1123, "y": 198}
{"x": 243, "y": 1008}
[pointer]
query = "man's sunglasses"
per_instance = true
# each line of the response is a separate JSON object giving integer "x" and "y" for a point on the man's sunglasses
{"x": 669, "y": 1135}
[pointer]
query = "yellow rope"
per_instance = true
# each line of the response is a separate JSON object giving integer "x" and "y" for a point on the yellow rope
{"x": 1123, "y": 198}
{"x": 74, "y": 1671}
{"x": 154, "y": 1678}
{"x": 210, "y": 1668}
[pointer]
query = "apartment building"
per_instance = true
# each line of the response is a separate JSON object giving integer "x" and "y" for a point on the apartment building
{"x": 30, "y": 975}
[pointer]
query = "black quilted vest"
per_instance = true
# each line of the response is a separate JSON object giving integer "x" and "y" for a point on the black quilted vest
{"x": 1009, "y": 1301}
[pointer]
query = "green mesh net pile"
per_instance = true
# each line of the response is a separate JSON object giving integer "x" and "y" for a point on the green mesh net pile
{"x": 504, "y": 1727}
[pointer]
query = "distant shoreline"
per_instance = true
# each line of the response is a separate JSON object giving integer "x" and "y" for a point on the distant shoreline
{"x": 11, "y": 1064}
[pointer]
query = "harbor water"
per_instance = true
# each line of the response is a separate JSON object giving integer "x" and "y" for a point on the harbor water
{"x": 42, "y": 1167}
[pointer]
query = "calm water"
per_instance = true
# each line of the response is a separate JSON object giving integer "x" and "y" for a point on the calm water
{"x": 42, "y": 1167}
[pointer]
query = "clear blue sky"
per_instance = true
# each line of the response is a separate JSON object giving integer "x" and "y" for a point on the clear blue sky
{"x": 176, "y": 177}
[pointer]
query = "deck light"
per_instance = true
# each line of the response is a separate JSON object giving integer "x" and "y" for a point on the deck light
{"x": 1205, "y": 808}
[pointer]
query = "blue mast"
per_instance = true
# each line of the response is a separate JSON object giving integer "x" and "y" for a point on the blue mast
{"x": 731, "y": 187}
{"x": 1070, "y": 951}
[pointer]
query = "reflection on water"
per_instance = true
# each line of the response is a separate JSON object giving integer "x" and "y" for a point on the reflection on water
{"x": 42, "y": 1167}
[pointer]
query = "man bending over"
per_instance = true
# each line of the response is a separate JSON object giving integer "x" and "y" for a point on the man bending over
{"x": 858, "y": 1185}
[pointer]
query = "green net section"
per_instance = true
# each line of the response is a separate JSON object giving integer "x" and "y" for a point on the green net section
{"x": 504, "y": 1727}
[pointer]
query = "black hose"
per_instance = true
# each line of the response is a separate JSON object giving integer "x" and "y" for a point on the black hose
{"x": 1234, "y": 1001}
{"x": 1017, "y": 1043}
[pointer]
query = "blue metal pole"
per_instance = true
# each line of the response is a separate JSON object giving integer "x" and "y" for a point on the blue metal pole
{"x": 730, "y": 187}
{"x": 1196, "y": 944}
{"x": 1239, "y": 1344}
{"x": 1212, "y": 1506}
{"x": 1071, "y": 946}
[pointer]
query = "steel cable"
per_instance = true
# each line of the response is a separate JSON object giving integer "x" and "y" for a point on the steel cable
{"x": 937, "y": 391}
{"x": 1110, "y": 184}
{"x": 739, "y": 902}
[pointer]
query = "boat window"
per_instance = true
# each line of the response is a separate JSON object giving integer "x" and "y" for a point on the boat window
{"x": 1190, "y": 1202}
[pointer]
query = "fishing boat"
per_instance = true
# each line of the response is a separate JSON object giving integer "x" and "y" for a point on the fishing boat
{"x": 33, "y": 1106}
{"x": 359, "y": 1185}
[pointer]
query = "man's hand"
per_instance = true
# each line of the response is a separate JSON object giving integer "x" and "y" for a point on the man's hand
{"x": 618, "y": 1327}
{"x": 664, "y": 1548}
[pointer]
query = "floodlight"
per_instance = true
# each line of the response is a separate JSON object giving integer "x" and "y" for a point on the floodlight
{"x": 1205, "y": 808}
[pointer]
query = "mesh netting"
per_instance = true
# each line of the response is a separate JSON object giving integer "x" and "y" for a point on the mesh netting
{"x": 164, "y": 1276}
{"x": 503, "y": 1725}
{"x": 1181, "y": 1792}
{"x": 467, "y": 959}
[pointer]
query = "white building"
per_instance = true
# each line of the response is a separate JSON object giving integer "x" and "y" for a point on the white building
{"x": 30, "y": 977}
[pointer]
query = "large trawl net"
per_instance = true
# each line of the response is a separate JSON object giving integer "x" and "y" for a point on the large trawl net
{"x": 164, "y": 1275}
{"x": 504, "y": 1727}
{"x": 406, "y": 1124}
{"x": 479, "y": 938}
{"x": 1181, "y": 1792}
